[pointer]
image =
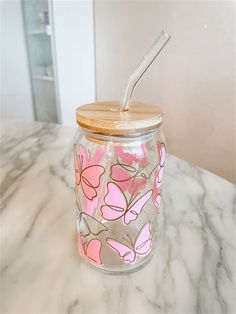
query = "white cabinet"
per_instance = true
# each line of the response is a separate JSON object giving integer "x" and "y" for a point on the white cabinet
{"x": 60, "y": 41}
{"x": 41, "y": 59}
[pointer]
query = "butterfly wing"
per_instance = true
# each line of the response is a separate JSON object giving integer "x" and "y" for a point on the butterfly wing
{"x": 137, "y": 185}
{"x": 83, "y": 227}
{"x": 89, "y": 191}
{"x": 124, "y": 156}
{"x": 92, "y": 175}
{"x": 90, "y": 225}
{"x": 100, "y": 152}
{"x": 121, "y": 176}
{"x": 136, "y": 208}
{"x": 127, "y": 254}
{"x": 115, "y": 201}
{"x": 156, "y": 189}
{"x": 111, "y": 212}
{"x": 130, "y": 155}
{"x": 143, "y": 241}
{"x": 90, "y": 180}
{"x": 93, "y": 251}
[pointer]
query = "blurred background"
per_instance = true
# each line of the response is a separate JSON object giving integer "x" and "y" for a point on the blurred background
{"x": 57, "y": 55}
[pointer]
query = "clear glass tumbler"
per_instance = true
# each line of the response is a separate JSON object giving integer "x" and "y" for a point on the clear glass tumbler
{"x": 118, "y": 193}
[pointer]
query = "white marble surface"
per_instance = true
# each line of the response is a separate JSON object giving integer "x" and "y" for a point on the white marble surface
{"x": 193, "y": 270}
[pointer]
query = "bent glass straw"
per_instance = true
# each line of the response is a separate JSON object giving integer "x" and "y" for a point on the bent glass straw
{"x": 150, "y": 56}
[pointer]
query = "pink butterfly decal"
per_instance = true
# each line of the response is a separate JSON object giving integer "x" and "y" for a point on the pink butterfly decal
{"x": 122, "y": 174}
{"x": 128, "y": 178}
{"x": 90, "y": 225}
{"x": 87, "y": 174}
{"x": 162, "y": 156}
{"x": 137, "y": 185}
{"x": 116, "y": 204}
{"x": 92, "y": 250}
{"x": 159, "y": 175}
{"x": 129, "y": 155}
{"x": 140, "y": 247}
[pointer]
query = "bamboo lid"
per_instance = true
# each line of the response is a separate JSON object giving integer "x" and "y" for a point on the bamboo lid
{"x": 105, "y": 118}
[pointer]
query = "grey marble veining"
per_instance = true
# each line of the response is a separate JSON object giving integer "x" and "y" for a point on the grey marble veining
{"x": 193, "y": 270}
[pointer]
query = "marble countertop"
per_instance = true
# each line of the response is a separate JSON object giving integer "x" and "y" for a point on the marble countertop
{"x": 193, "y": 270}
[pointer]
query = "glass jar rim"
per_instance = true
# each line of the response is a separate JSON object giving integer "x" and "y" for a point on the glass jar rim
{"x": 101, "y": 138}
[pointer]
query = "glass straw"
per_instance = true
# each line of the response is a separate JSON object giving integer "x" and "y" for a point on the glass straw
{"x": 150, "y": 56}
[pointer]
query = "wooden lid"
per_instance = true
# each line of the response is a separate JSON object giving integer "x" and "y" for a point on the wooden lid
{"x": 105, "y": 118}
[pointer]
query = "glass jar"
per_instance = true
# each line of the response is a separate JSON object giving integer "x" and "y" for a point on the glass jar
{"x": 118, "y": 177}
